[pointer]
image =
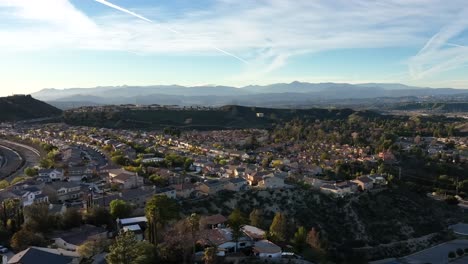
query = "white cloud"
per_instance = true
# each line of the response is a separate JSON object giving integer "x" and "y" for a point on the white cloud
{"x": 438, "y": 54}
{"x": 266, "y": 32}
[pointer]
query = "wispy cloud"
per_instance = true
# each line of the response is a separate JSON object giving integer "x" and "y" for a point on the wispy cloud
{"x": 178, "y": 33}
{"x": 438, "y": 54}
{"x": 267, "y": 33}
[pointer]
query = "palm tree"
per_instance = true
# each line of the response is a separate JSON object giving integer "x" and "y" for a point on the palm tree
{"x": 210, "y": 255}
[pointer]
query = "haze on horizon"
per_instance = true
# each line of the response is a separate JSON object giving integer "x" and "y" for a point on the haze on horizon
{"x": 85, "y": 43}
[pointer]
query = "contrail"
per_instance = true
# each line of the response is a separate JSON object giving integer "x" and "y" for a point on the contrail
{"x": 105, "y": 2}
{"x": 456, "y": 45}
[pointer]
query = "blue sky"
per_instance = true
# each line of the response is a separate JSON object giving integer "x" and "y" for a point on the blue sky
{"x": 87, "y": 43}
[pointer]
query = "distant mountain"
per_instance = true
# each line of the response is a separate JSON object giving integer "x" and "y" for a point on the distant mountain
{"x": 254, "y": 95}
{"x": 22, "y": 107}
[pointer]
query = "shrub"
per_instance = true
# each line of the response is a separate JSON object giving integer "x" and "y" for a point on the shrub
{"x": 451, "y": 254}
{"x": 460, "y": 252}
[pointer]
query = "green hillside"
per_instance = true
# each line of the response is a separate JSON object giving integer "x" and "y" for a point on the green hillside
{"x": 226, "y": 117}
{"x": 23, "y": 107}
{"x": 435, "y": 106}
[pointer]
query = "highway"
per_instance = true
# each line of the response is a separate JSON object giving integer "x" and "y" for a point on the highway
{"x": 17, "y": 157}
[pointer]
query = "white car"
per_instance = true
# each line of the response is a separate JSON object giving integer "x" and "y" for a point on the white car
{"x": 3, "y": 249}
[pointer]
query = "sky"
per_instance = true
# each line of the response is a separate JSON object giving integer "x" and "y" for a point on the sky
{"x": 88, "y": 43}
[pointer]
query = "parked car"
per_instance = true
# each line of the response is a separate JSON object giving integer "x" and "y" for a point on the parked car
{"x": 3, "y": 249}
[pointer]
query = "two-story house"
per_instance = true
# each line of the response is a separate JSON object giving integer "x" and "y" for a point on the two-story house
{"x": 63, "y": 191}
{"x": 48, "y": 175}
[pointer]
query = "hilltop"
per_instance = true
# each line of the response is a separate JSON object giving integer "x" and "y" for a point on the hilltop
{"x": 23, "y": 107}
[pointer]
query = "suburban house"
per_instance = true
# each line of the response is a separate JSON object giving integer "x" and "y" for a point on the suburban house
{"x": 72, "y": 239}
{"x": 378, "y": 179}
{"x": 222, "y": 238}
{"x": 30, "y": 195}
{"x": 340, "y": 188}
{"x": 236, "y": 184}
{"x": 125, "y": 179}
{"x": 253, "y": 232}
{"x": 211, "y": 187}
{"x": 271, "y": 182}
{"x": 213, "y": 221}
{"x": 184, "y": 190}
{"x": 266, "y": 249}
{"x": 62, "y": 191}
{"x": 364, "y": 182}
{"x": 317, "y": 182}
{"x": 78, "y": 173}
{"x": 48, "y": 175}
{"x": 254, "y": 177}
{"x": 170, "y": 192}
{"x": 136, "y": 225}
{"x": 34, "y": 255}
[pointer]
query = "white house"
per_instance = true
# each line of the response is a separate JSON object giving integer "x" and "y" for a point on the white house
{"x": 266, "y": 249}
{"x": 50, "y": 175}
{"x": 271, "y": 182}
{"x": 222, "y": 238}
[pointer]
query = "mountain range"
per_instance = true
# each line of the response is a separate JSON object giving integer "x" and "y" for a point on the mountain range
{"x": 280, "y": 94}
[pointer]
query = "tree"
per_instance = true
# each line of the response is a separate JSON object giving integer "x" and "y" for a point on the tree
{"x": 256, "y": 218}
{"x": 30, "y": 171}
{"x": 119, "y": 160}
{"x": 236, "y": 222}
{"x": 98, "y": 216}
{"x": 300, "y": 239}
{"x": 24, "y": 239}
{"x": 18, "y": 179}
{"x": 92, "y": 247}
{"x": 159, "y": 181}
{"x": 313, "y": 239}
{"x": 194, "y": 221}
{"x": 71, "y": 218}
{"x": 279, "y": 227}
{"x": 210, "y": 255}
{"x": 120, "y": 209}
{"x": 39, "y": 220}
{"x": 128, "y": 250}
{"x": 4, "y": 184}
{"x": 159, "y": 211}
{"x": 46, "y": 163}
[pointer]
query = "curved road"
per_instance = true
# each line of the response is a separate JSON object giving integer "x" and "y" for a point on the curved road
{"x": 18, "y": 157}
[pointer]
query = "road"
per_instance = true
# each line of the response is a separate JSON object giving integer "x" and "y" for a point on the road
{"x": 12, "y": 161}
{"x": 19, "y": 157}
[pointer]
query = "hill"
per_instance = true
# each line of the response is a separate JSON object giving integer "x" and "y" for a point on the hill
{"x": 435, "y": 106}
{"x": 389, "y": 223}
{"x": 226, "y": 117}
{"x": 23, "y": 107}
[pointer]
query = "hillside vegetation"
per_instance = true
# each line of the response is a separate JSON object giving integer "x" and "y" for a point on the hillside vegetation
{"x": 392, "y": 222}
{"x": 435, "y": 106}
{"x": 227, "y": 117}
{"x": 22, "y": 107}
